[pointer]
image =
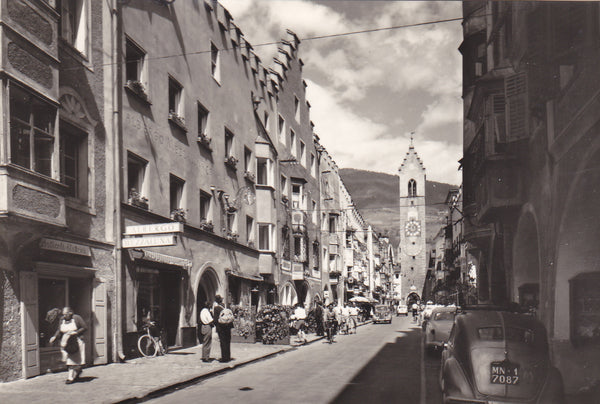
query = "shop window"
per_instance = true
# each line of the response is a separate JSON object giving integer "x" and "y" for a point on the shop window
{"x": 175, "y": 192}
{"x": 148, "y": 294}
{"x": 135, "y": 60}
{"x": 31, "y": 132}
{"x": 215, "y": 62}
{"x": 74, "y": 160}
{"x": 585, "y": 309}
{"x": 264, "y": 236}
{"x": 136, "y": 171}
{"x": 74, "y": 24}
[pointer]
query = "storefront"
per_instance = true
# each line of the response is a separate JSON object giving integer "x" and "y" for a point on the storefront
{"x": 60, "y": 274}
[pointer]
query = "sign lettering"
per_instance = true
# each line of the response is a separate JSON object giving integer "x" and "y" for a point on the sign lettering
{"x": 64, "y": 246}
{"x": 148, "y": 241}
{"x": 157, "y": 228}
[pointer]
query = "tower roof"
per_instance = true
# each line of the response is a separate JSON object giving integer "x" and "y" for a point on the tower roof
{"x": 411, "y": 154}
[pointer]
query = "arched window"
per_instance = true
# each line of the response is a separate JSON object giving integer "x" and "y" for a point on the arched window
{"x": 412, "y": 188}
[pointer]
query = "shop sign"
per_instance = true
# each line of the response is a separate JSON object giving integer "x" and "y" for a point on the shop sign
{"x": 286, "y": 265}
{"x": 297, "y": 271}
{"x": 149, "y": 241}
{"x": 167, "y": 259}
{"x": 158, "y": 228}
{"x": 64, "y": 246}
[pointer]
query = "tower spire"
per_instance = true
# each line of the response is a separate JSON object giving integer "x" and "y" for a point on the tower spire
{"x": 412, "y": 134}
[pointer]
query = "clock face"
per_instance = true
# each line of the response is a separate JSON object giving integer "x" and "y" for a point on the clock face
{"x": 412, "y": 228}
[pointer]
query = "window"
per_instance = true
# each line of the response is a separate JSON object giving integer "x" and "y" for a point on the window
{"x": 134, "y": 62}
{"x": 313, "y": 165}
{"x": 296, "y": 196}
{"x": 299, "y": 248}
{"x": 249, "y": 229}
{"x": 284, "y": 190}
{"x": 175, "y": 192}
{"x": 281, "y": 129}
{"x": 412, "y": 188}
{"x": 293, "y": 142}
{"x": 285, "y": 243}
{"x": 202, "y": 120}
{"x": 215, "y": 62}
{"x": 315, "y": 254}
{"x": 175, "y": 99}
{"x": 348, "y": 239}
{"x": 205, "y": 206}
{"x": 266, "y": 121}
{"x": 74, "y": 160}
{"x": 31, "y": 132}
{"x": 264, "y": 236}
{"x": 297, "y": 108}
{"x": 314, "y": 212}
{"x": 228, "y": 143}
{"x": 136, "y": 170}
{"x": 247, "y": 159}
{"x": 263, "y": 171}
{"x": 332, "y": 228}
{"x": 231, "y": 223}
{"x": 302, "y": 153}
{"x": 323, "y": 221}
{"x": 73, "y": 21}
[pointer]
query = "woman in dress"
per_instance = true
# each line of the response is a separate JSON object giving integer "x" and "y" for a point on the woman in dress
{"x": 71, "y": 327}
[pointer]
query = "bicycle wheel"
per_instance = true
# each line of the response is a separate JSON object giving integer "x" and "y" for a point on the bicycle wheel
{"x": 147, "y": 346}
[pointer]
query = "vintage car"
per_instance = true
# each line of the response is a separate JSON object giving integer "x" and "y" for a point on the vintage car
{"x": 382, "y": 314}
{"x": 498, "y": 357}
{"x": 402, "y": 309}
{"x": 428, "y": 309}
{"x": 437, "y": 328}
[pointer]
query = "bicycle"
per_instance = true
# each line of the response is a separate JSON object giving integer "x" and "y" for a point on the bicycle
{"x": 149, "y": 345}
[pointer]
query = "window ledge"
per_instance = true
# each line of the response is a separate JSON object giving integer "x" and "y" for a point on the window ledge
{"x": 75, "y": 53}
{"x": 80, "y": 205}
{"x": 267, "y": 187}
{"x": 177, "y": 121}
{"x": 136, "y": 89}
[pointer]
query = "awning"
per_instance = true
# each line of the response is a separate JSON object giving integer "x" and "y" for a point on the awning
{"x": 141, "y": 254}
{"x": 242, "y": 275}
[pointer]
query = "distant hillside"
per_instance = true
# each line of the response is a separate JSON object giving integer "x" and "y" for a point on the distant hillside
{"x": 376, "y": 196}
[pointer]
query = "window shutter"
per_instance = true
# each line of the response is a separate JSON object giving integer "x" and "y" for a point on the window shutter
{"x": 517, "y": 116}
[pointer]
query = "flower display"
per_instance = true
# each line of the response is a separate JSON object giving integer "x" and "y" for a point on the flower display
{"x": 274, "y": 323}
{"x": 244, "y": 322}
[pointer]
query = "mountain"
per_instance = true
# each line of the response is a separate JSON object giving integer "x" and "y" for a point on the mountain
{"x": 376, "y": 196}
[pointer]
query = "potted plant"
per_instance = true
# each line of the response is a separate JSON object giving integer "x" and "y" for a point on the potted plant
{"x": 250, "y": 176}
{"x": 178, "y": 215}
{"x": 135, "y": 199}
{"x": 274, "y": 324}
{"x": 206, "y": 225}
{"x": 284, "y": 199}
{"x": 244, "y": 324}
{"x": 231, "y": 161}
{"x": 137, "y": 88}
{"x": 231, "y": 235}
{"x": 177, "y": 119}
{"x": 204, "y": 140}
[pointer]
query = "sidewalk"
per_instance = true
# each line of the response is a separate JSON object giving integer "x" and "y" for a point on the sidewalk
{"x": 137, "y": 378}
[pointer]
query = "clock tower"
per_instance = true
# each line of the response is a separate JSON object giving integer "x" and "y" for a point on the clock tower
{"x": 413, "y": 251}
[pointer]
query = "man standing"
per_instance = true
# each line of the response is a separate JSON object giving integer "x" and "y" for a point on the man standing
{"x": 223, "y": 330}
{"x": 205, "y": 331}
{"x": 319, "y": 319}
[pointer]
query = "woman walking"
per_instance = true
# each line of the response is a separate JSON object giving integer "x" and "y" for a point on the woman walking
{"x": 72, "y": 345}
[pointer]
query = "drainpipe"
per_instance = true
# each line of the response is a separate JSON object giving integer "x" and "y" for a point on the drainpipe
{"x": 117, "y": 127}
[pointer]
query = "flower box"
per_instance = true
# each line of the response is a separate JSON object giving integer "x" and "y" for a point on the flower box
{"x": 138, "y": 89}
{"x": 177, "y": 120}
{"x": 249, "y": 176}
{"x": 229, "y": 235}
{"x": 207, "y": 226}
{"x": 204, "y": 140}
{"x": 135, "y": 199}
{"x": 231, "y": 161}
{"x": 178, "y": 215}
{"x": 273, "y": 322}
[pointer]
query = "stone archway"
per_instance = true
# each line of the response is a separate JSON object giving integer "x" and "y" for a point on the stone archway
{"x": 206, "y": 288}
{"x": 526, "y": 261}
{"x": 288, "y": 295}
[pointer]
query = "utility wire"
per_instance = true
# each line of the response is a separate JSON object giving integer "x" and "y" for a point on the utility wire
{"x": 343, "y": 34}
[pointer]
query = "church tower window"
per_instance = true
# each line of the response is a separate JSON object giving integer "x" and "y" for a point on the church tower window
{"x": 412, "y": 188}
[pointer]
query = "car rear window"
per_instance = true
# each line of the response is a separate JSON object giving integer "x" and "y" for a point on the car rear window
{"x": 512, "y": 334}
{"x": 445, "y": 315}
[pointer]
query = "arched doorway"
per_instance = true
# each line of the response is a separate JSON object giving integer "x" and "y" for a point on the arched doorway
{"x": 207, "y": 289}
{"x": 526, "y": 262}
{"x": 288, "y": 295}
{"x": 413, "y": 297}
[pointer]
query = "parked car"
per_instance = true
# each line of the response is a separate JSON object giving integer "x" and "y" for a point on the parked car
{"x": 437, "y": 328}
{"x": 428, "y": 309}
{"x": 501, "y": 357}
{"x": 382, "y": 314}
{"x": 402, "y": 310}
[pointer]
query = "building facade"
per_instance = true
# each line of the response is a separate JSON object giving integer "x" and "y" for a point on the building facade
{"x": 531, "y": 144}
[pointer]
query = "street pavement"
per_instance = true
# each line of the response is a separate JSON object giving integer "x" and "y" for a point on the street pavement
{"x": 380, "y": 364}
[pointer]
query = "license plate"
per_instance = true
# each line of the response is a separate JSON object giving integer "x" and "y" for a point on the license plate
{"x": 504, "y": 373}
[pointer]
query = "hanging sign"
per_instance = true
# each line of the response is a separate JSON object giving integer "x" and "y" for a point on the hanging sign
{"x": 150, "y": 241}
{"x": 158, "y": 228}
{"x": 64, "y": 246}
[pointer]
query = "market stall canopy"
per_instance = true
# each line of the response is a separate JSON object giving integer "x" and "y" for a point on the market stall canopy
{"x": 360, "y": 299}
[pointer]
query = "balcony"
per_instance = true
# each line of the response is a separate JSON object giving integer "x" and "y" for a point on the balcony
{"x": 33, "y": 196}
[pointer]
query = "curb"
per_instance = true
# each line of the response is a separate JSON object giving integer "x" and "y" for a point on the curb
{"x": 161, "y": 391}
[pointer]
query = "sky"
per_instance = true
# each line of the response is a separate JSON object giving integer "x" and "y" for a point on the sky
{"x": 369, "y": 91}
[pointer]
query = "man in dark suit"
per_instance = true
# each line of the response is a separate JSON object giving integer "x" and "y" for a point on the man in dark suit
{"x": 223, "y": 330}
